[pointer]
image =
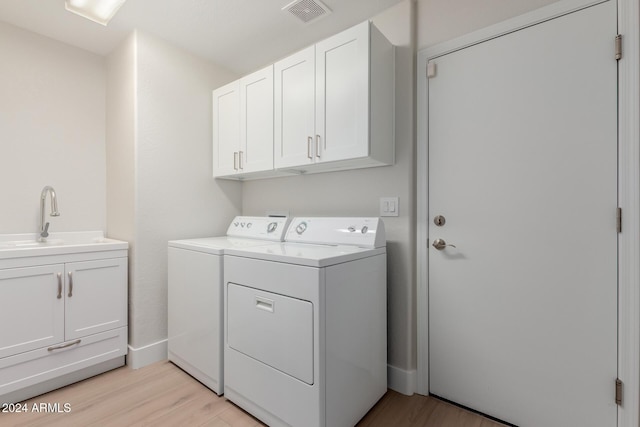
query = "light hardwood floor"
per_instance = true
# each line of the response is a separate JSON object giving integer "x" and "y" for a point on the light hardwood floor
{"x": 163, "y": 395}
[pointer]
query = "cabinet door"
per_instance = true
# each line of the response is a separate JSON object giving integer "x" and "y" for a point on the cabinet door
{"x": 226, "y": 129}
{"x": 31, "y": 308}
{"x": 294, "y": 83}
{"x": 96, "y": 296}
{"x": 256, "y": 121}
{"x": 342, "y": 95}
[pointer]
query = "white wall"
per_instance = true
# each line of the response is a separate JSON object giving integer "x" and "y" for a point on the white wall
{"x": 175, "y": 195}
{"x": 357, "y": 193}
{"x": 440, "y": 20}
{"x": 156, "y": 184}
{"x": 52, "y": 132}
{"x": 121, "y": 141}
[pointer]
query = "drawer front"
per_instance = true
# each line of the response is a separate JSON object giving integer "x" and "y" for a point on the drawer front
{"x": 274, "y": 329}
{"x": 33, "y": 367}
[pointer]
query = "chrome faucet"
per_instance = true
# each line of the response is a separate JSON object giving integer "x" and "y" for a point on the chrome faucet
{"x": 44, "y": 227}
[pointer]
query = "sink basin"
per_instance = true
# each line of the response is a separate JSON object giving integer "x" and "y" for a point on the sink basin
{"x": 31, "y": 243}
{"x": 26, "y": 245}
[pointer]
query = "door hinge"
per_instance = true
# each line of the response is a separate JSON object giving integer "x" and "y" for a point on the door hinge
{"x": 431, "y": 70}
{"x": 618, "y": 47}
{"x": 619, "y": 220}
{"x": 619, "y": 392}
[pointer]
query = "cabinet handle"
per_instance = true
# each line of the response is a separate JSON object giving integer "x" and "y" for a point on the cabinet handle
{"x": 309, "y": 140}
{"x": 59, "y": 285}
{"x": 240, "y": 162}
{"x": 318, "y": 146}
{"x": 235, "y": 160}
{"x": 60, "y": 347}
{"x": 70, "y": 284}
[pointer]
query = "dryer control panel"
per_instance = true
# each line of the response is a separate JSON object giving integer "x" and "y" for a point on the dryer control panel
{"x": 259, "y": 227}
{"x": 354, "y": 231}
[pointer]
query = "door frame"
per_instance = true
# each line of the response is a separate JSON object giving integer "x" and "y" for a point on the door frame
{"x": 628, "y": 190}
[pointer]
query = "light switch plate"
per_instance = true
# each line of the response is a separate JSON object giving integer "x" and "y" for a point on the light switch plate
{"x": 389, "y": 206}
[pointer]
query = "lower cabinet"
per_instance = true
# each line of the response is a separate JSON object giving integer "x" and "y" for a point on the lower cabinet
{"x": 60, "y": 318}
{"x": 31, "y": 308}
{"x": 96, "y": 296}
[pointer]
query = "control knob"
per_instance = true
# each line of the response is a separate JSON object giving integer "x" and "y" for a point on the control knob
{"x": 301, "y": 227}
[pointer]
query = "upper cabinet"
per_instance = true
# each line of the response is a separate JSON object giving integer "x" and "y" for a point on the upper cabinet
{"x": 332, "y": 108}
{"x": 335, "y": 103}
{"x": 243, "y": 125}
{"x": 295, "y": 86}
{"x": 256, "y": 121}
{"x": 226, "y": 129}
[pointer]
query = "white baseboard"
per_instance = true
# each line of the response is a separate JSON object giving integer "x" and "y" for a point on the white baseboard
{"x": 401, "y": 381}
{"x": 397, "y": 379}
{"x": 143, "y": 356}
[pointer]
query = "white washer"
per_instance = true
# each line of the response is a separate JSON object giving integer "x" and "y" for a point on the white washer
{"x": 195, "y": 272}
{"x": 306, "y": 325}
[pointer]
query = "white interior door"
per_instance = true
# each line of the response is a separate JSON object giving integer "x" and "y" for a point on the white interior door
{"x": 523, "y": 167}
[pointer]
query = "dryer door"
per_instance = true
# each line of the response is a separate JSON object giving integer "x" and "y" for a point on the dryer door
{"x": 274, "y": 329}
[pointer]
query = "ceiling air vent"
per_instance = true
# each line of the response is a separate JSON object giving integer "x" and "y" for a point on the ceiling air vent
{"x": 307, "y": 10}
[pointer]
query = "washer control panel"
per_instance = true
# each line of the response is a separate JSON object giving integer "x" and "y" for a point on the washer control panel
{"x": 258, "y": 227}
{"x": 356, "y": 231}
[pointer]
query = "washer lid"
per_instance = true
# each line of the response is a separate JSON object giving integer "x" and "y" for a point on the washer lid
{"x": 306, "y": 254}
{"x": 216, "y": 245}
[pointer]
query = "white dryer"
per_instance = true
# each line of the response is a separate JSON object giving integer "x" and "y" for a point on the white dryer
{"x": 306, "y": 325}
{"x": 195, "y": 315}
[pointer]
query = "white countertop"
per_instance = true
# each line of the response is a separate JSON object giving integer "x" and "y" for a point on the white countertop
{"x": 58, "y": 243}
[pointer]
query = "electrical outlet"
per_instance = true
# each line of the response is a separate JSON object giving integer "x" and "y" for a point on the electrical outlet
{"x": 389, "y": 206}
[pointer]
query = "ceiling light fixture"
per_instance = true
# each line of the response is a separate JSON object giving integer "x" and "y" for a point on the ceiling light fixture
{"x": 100, "y": 11}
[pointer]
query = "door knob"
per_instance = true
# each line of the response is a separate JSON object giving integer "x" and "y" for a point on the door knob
{"x": 440, "y": 244}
